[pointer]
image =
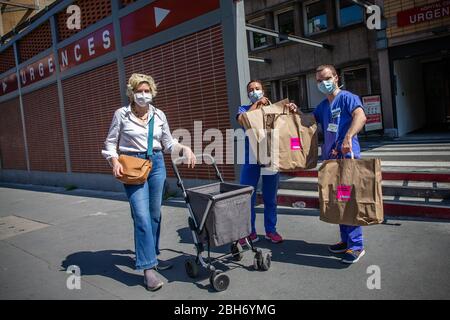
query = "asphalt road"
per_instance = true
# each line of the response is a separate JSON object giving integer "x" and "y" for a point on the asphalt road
{"x": 93, "y": 231}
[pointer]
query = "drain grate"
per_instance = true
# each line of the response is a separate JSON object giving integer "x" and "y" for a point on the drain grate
{"x": 11, "y": 226}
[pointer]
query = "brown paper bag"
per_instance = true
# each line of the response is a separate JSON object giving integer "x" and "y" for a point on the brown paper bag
{"x": 297, "y": 141}
{"x": 350, "y": 192}
{"x": 254, "y": 123}
{"x": 293, "y": 142}
{"x": 282, "y": 140}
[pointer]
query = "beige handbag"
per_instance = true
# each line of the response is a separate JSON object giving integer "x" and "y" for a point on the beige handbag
{"x": 136, "y": 170}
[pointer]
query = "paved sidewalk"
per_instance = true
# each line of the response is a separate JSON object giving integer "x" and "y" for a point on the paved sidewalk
{"x": 93, "y": 230}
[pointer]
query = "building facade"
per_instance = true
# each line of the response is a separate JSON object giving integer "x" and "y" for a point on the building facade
{"x": 60, "y": 86}
{"x": 14, "y": 13}
{"x": 415, "y": 65}
{"x": 369, "y": 62}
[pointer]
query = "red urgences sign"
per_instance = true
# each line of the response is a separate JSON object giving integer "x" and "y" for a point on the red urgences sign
{"x": 90, "y": 47}
{"x": 429, "y": 12}
{"x": 37, "y": 71}
{"x": 8, "y": 84}
{"x": 153, "y": 18}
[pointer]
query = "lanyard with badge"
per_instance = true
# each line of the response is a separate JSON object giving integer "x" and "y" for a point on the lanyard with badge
{"x": 333, "y": 126}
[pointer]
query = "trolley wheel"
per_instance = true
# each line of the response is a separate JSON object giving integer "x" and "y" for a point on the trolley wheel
{"x": 266, "y": 261}
{"x": 192, "y": 268}
{"x": 219, "y": 280}
{"x": 236, "y": 251}
{"x": 257, "y": 260}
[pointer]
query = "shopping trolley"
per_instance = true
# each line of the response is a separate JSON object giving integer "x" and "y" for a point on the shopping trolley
{"x": 219, "y": 214}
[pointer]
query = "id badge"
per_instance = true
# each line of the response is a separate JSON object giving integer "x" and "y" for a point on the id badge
{"x": 335, "y": 113}
{"x": 332, "y": 127}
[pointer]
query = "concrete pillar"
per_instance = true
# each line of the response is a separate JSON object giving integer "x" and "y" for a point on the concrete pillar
{"x": 236, "y": 59}
{"x": 115, "y": 4}
{"x": 331, "y": 14}
{"x": 60, "y": 95}
{"x": 386, "y": 93}
{"x": 298, "y": 20}
{"x": 22, "y": 114}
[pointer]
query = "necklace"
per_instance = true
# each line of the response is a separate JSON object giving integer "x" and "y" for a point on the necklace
{"x": 144, "y": 117}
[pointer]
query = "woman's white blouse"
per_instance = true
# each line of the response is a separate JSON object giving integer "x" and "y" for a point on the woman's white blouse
{"x": 128, "y": 134}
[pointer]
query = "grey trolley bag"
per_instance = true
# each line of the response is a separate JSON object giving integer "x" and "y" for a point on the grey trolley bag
{"x": 219, "y": 214}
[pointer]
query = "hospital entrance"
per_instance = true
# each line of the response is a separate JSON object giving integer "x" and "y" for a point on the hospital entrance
{"x": 421, "y": 89}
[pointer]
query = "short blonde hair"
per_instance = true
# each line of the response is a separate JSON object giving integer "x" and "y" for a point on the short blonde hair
{"x": 135, "y": 80}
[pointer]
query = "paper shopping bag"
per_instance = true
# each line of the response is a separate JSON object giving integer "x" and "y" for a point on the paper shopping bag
{"x": 350, "y": 192}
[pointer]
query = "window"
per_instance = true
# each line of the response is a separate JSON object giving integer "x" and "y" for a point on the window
{"x": 291, "y": 90}
{"x": 315, "y": 97}
{"x": 315, "y": 17}
{"x": 268, "y": 90}
{"x": 349, "y": 13}
{"x": 357, "y": 80}
{"x": 258, "y": 40}
{"x": 284, "y": 22}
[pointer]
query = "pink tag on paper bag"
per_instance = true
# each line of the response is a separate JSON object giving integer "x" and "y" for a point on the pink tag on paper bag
{"x": 344, "y": 193}
{"x": 296, "y": 144}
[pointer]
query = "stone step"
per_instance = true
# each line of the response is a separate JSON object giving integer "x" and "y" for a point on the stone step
{"x": 393, "y": 206}
{"x": 421, "y": 189}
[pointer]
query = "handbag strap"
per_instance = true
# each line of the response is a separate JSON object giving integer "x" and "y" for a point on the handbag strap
{"x": 150, "y": 137}
{"x": 151, "y": 125}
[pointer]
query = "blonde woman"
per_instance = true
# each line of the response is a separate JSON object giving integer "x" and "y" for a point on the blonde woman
{"x": 128, "y": 135}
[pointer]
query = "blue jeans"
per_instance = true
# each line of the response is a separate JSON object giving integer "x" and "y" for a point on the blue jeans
{"x": 250, "y": 176}
{"x": 145, "y": 202}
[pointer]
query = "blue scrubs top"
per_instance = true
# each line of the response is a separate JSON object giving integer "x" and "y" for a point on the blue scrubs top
{"x": 338, "y": 113}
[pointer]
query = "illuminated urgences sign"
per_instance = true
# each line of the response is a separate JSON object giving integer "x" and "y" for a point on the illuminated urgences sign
{"x": 429, "y": 12}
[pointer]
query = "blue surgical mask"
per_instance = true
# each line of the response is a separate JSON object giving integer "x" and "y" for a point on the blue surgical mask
{"x": 255, "y": 95}
{"x": 327, "y": 86}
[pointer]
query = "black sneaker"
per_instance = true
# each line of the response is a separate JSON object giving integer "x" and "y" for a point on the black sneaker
{"x": 338, "y": 248}
{"x": 352, "y": 256}
{"x": 163, "y": 265}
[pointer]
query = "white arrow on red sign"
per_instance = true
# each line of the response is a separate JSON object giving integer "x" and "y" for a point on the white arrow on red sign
{"x": 160, "y": 15}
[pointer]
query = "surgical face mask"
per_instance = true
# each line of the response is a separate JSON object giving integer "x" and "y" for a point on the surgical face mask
{"x": 255, "y": 95}
{"x": 327, "y": 86}
{"x": 143, "y": 99}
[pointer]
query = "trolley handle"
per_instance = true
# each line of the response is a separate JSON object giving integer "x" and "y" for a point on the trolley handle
{"x": 179, "y": 160}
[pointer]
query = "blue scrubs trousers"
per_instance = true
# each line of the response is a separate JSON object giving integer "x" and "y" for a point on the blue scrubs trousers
{"x": 352, "y": 235}
{"x": 250, "y": 176}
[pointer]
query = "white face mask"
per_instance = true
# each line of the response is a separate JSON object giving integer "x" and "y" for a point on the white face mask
{"x": 143, "y": 99}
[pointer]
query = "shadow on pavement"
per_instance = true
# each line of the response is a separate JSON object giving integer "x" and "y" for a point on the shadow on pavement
{"x": 302, "y": 253}
{"x": 289, "y": 251}
{"x": 105, "y": 263}
{"x": 178, "y": 272}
